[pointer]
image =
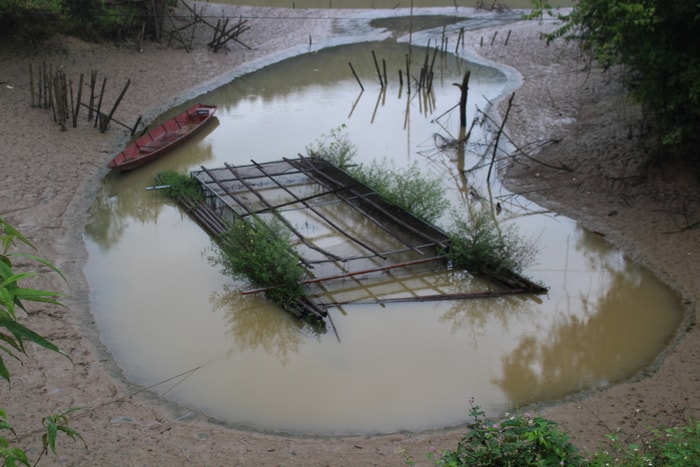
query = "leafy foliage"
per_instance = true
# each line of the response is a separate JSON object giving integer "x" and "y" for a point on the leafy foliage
{"x": 518, "y": 441}
{"x": 259, "y": 252}
{"x": 676, "y": 446}
{"x": 179, "y": 185}
{"x": 657, "y": 42}
{"x": 479, "y": 245}
{"x": 14, "y": 334}
{"x": 526, "y": 440}
{"x": 335, "y": 147}
{"x": 36, "y": 20}
{"x": 408, "y": 188}
{"x": 58, "y": 423}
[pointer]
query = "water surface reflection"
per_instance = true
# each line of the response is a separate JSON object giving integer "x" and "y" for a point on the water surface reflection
{"x": 163, "y": 308}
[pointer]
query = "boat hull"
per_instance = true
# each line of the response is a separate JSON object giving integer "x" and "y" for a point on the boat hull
{"x": 162, "y": 139}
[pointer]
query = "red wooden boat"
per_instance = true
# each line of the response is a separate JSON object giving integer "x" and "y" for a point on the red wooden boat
{"x": 163, "y": 138}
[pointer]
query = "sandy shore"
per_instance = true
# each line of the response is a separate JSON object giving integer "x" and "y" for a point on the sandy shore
{"x": 48, "y": 179}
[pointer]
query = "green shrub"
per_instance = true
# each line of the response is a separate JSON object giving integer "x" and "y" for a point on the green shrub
{"x": 334, "y": 147}
{"x": 657, "y": 44}
{"x": 259, "y": 252}
{"x": 179, "y": 186}
{"x": 31, "y": 20}
{"x": 479, "y": 245}
{"x": 407, "y": 188}
{"x": 518, "y": 441}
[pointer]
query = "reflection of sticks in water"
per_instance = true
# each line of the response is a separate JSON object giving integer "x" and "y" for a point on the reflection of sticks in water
{"x": 355, "y": 273}
{"x": 432, "y": 297}
{"x": 354, "y": 105}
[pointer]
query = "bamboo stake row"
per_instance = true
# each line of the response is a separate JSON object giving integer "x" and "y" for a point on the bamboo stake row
{"x": 51, "y": 89}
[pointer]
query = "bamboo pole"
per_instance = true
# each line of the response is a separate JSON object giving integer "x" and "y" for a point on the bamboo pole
{"x": 498, "y": 135}
{"x": 31, "y": 84}
{"x": 98, "y": 116}
{"x": 104, "y": 124}
{"x": 77, "y": 105}
{"x": 356, "y": 77}
{"x": 355, "y": 273}
{"x": 376, "y": 65}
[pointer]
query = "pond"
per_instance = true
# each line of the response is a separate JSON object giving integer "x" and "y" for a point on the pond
{"x": 173, "y": 321}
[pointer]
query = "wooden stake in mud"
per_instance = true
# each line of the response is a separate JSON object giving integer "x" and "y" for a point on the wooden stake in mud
{"x": 386, "y": 81}
{"x": 507, "y": 37}
{"x": 376, "y": 65}
{"x": 460, "y": 38}
{"x": 31, "y": 83}
{"x": 356, "y": 77}
{"x": 99, "y": 103}
{"x": 464, "y": 88}
{"x": 408, "y": 74}
{"x": 93, "y": 82}
{"x": 104, "y": 124}
{"x": 77, "y": 104}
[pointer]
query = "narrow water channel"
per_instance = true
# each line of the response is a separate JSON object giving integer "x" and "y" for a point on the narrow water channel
{"x": 163, "y": 309}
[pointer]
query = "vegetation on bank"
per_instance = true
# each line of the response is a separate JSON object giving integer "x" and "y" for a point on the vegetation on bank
{"x": 14, "y": 337}
{"x": 527, "y": 440}
{"x": 37, "y": 20}
{"x": 657, "y": 46}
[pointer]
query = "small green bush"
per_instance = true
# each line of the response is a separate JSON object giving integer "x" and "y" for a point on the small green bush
{"x": 479, "y": 245}
{"x": 179, "y": 186}
{"x": 408, "y": 188}
{"x": 259, "y": 252}
{"x": 335, "y": 147}
{"x": 518, "y": 441}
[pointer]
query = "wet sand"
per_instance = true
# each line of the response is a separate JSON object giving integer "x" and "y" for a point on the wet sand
{"x": 48, "y": 179}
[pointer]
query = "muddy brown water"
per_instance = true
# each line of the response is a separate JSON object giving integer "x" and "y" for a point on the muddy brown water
{"x": 164, "y": 309}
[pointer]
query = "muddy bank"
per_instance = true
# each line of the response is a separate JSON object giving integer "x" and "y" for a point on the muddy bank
{"x": 48, "y": 179}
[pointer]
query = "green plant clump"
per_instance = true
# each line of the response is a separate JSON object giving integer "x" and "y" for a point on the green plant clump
{"x": 37, "y": 20}
{"x": 259, "y": 252}
{"x": 676, "y": 446}
{"x": 479, "y": 245}
{"x": 518, "y": 441}
{"x": 407, "y": 188}
{"x": 526, "y": 440}
{"x": 179, "y": 186}
{"x": 334, "y": 147}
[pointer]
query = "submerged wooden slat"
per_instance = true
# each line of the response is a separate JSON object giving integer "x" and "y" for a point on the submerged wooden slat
{"x": 281, "y": 218}
{"x": 378, "y": 223}
{"x": 325, "y": 218}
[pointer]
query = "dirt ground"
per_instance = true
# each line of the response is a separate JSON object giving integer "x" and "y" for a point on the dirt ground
{"x": 564, "y": 115}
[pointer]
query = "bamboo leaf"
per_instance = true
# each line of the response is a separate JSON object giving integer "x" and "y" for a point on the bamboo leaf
{"x": 22, "y": 332}
{"x": 40, "y": 260}
{"x": 4, "y": 372}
